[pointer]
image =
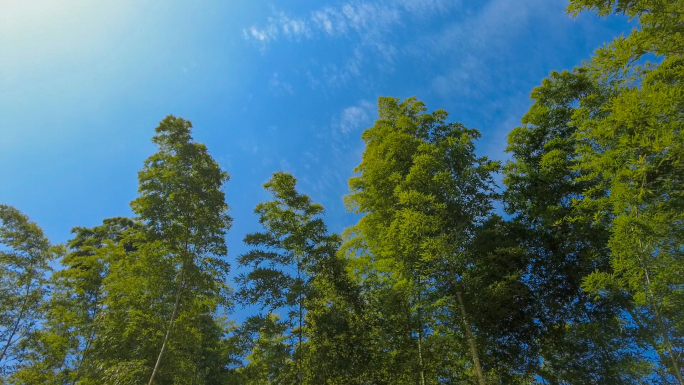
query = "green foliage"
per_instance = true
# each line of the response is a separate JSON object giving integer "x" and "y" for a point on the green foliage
{"x": 660, "y": 29}
{"x": 426, "y": 198}
{"x": 178, "y": 266}
{"x": 289, "y": 264}
{"x": 181, "y": 198}
{"x": 270, "y": 358}
{"x": 25, "y": 254}
{"x": 579, "y": 338}
{"x": 62, "y": 350}
{"x": 635, "y": 151}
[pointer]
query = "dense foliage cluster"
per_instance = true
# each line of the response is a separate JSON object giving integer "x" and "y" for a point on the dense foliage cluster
{"x": 581, "y": 283}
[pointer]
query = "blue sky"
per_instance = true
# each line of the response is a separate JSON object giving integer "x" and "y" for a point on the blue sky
{"x": 268, "y": 86}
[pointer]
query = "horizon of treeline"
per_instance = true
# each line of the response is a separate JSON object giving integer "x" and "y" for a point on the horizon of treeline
{"x": 581, "y": 283}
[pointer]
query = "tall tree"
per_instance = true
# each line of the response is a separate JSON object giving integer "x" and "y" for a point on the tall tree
{"x": 285, "y": 260}
{"x": 183, "y": 206}
{"x": 62, "y": 350}
{"x": 337, "y": 322}
{"x": 25, "y": 255}
{"x": 176, "y": 276}
{"x": 425, "y": 195}
{"x": 579, "y": 338}
{"x": 269, "y": 360}
{"x": 635, "y": 151}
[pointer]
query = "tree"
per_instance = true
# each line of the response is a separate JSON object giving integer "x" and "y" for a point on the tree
{"x": 270, "y": 357}
{"x": 62, "y": 349}
{"x": 425, "y": 196}
{"x": 634, "y": 151}
{"x": 660, "y": 29}
{"x": 580, "y": 338}
{"x": 339, "y": 324}
{"x": 176, "y": 275}
{"x": 285, "y": 261}
{"x": 25, "y": 255}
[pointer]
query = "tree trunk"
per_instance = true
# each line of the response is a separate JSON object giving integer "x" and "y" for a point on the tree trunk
{"x": 471, "y": 340}
{"x": 19, "y": 317}
{"x": 89, "y": 338}
{"x": 420, "y": 357}
{"x": 181, "y": 286}
{"x": 420, "y": 336}
{"x": 659, "y": 322}
{"x": 299, "y": 346}
{"x": 675, "y": 365}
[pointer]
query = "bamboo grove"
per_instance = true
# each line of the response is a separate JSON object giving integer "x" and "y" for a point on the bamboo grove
{"x": 580, "y": 282}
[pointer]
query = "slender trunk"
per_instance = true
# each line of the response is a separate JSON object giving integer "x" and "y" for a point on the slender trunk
{"x": 80, "y": 364}
{"x": 18, "y": 321}
{"x": 471, "y": 340}
{"x": 299, "y": 346}
{"x": 181, "y": 286}
{"x": 469, "y": 333}
{"x": 89, "y": 339}
{"x": 653, "y": 342}
{"x": 420, "y": 357}
{"x": 409, "y": 327}
{"x": 675, "y": 365}
{"x": 421, "y": 365}
{"x": 659, "y": 321}
{"x": 668, "y": 347}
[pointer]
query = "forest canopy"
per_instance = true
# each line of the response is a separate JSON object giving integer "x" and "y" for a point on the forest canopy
{"x": 580, "y": 282}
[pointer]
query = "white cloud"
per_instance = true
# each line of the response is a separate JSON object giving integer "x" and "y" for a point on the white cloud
{"x": 292, "y": 28}
{"x": 324, "y": 20}
{"x": 369, "y": 19}
{"x": 278, "y": 24}
{"x": 470, "y": 45}
{"x": 354, "y": 117}
{"x": 478, "y": 43}
{"x": 368, "y": 23}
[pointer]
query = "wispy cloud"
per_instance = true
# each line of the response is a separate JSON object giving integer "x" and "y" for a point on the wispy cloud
{"x": 368, "y": 21}
{"x": 366, "y": 18}
{"x": 362, "y": 18}
{"x": 478, "y": 38}
{"x": 354, "y": 117}
{"x": 279, "y": 24}
{"x": 368, "y": 24}
{"x": 475, "y": 45}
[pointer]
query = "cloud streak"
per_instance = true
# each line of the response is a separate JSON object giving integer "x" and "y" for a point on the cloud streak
{"x": 367, "y": 19}
{"x": 367, "y": 23}
{"x": 279, "y": 24}
{"x": 475, "y": 45}
{"x": 354, "y": 117}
